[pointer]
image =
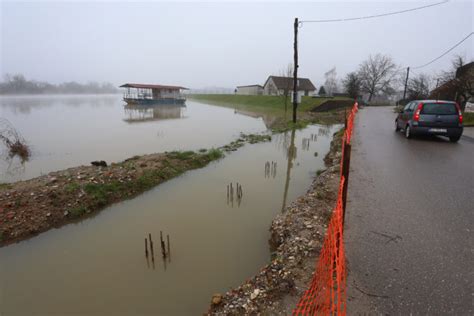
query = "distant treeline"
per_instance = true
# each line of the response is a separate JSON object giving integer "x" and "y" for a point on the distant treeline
{"x": 18, "y": 84}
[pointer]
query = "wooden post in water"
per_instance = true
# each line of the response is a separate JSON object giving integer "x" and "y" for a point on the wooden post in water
{"x": 151, "y": 246}
{"x": 168, "y": 245}
{"x": 163, "y": 249}
{"x": 146, "y": 247}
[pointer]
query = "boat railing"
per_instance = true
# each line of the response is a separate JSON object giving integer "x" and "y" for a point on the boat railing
{"x": 150, "y": 97}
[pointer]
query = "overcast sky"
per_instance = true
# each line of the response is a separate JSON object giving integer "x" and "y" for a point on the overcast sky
{"x": 202, "y": 44}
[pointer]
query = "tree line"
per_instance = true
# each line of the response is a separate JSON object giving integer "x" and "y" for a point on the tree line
{"x": 18, "y": 84}
{"x": 379, "y": 75}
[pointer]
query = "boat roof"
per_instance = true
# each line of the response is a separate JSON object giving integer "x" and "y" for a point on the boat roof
{"x": 151, "y": 86}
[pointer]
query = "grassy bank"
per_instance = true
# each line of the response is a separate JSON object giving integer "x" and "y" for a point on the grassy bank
{"x": 468, "y": 119}
{"x": 272, "y": 108}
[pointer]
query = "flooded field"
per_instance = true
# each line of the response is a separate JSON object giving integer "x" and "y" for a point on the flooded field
{"x": 67, "y": 131}
{"x": 98, "y": 266}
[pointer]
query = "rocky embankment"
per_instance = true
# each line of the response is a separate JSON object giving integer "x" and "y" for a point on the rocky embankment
{"x": 297, "y": 236}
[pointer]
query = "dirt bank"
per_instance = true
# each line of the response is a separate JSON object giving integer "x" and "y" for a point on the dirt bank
{"x": 30, "y": 207}
{"x": 296, "y": 239}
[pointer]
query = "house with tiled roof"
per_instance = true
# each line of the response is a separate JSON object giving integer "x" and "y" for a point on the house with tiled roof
{"x": 276, "y": 85}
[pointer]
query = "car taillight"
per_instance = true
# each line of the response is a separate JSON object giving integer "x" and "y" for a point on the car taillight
{"x": 416, "y": 117}
{"x": 459, "y": 113}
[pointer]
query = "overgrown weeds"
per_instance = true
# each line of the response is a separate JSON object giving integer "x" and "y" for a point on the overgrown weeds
{"x": 15, "y": 143}
{"x": 215, "y": 154}
{"x": 181, "y": 155}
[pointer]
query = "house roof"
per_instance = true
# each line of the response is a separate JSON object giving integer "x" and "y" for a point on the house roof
{"x": 287, "y": 82}
{"x": 465, "y": 69}
{"x": 251, "y": 85}
{"x": 151, "y": 86}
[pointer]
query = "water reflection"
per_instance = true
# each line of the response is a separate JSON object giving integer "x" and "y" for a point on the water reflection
{"x": 270, "y": 169}
{"x": 324, "y": 130}
{"x": 26, "y": 104}
{"x": 238, "y": 194}
{"x": 290, "y": 156}
{"x": 11, "y": 166}
{"x": 142, "y": 113}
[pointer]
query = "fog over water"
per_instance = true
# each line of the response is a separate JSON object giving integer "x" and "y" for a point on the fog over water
{"x": 68, "y": 131}
{"x": 224, "y": 44}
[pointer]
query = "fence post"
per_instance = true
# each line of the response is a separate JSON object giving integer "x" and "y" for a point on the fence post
{"x": 345, "y": 172}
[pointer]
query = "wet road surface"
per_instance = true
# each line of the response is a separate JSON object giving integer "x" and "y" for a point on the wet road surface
{"x": 409, "y": 221}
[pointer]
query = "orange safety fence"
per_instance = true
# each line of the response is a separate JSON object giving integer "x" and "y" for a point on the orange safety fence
{"x": 327, "y": 292}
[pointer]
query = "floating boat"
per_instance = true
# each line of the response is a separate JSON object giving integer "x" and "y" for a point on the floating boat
{"x": 152, "y": 94}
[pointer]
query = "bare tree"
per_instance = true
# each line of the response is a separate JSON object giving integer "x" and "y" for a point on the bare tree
{"x": 331, "y": 81}
{"x": 376, "y": 75}
{"x": 287, "y": 73}
{"x": 419, "y": 87}
{"x": 351, "y": 85}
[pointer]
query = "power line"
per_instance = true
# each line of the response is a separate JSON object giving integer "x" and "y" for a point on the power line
{"x": 374, "y": 16}
{"x": 446, "y": 52}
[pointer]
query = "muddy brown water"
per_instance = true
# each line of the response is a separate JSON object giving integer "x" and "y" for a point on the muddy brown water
{"x": 98, "y": 267}
{"x": 68, "y": 131}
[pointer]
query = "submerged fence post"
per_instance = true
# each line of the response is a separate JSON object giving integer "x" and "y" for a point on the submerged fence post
{"x": 163, "y": 249}
{"x": 146, "y": 247}
{"x": 151, "y": 246}
{"x": 168, "y": 241}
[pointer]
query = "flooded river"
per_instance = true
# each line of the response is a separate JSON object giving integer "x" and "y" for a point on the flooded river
{"x": 98, "y": 267}
{"x": 68, "y": 131}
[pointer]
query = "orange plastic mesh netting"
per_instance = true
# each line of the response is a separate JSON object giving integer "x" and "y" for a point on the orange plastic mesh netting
{"x": 327, "y": 292}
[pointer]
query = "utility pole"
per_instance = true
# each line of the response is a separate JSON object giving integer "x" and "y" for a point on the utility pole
{"x": 406, "y": 83}
{"x": 295, "y": 71}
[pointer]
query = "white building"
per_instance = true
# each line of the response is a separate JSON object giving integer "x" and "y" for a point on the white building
{"x": 284, "y": 85}
{"x": 255, "y": 89}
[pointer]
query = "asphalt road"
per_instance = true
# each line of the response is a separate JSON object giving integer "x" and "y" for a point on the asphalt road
{"x": 409, "y": 221}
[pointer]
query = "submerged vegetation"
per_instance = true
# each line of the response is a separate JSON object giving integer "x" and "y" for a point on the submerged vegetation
{"x": 246, "y": 138}
{"x": 12, "y": 139}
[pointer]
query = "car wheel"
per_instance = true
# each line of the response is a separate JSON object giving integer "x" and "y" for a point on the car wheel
{"x": 454, "y": 139}
{"x": 396, "y": 126}
{"x": 408, "y": 131}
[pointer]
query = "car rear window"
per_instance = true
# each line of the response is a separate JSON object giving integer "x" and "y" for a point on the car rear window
{"x": 439, "y": 108}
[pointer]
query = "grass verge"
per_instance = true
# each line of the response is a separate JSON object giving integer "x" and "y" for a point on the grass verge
{"x": 468, "y": 119}
{"x": 273, "y": 108}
